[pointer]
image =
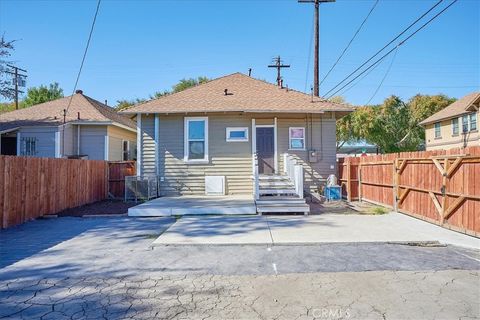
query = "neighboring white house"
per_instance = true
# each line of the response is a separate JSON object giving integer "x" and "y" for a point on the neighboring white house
{"x": 89, "y": 129}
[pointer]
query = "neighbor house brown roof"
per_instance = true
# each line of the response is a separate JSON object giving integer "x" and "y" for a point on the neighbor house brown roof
{"x": 51, "y": 113}
{"x": 241, "y": 93}
{"x": 459, "y": 107}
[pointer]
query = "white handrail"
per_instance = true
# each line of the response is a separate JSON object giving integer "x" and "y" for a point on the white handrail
{"x": 295, "y": 172}
{"x": 256, "y": 182}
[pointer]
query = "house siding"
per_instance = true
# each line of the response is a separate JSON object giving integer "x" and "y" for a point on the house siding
{"x": 92, "y": 141}
{"x": 233, "y": 159}
{"x": 45, "y": 137}
{"x": 116, "y": 136}
{"x": 447, "y": 139}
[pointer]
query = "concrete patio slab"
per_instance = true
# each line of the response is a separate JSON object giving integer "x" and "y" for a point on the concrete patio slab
{"x": 392, "y": 227}
{"x": 296, "y": 230}
{"x": 219, "y": 230}
{"x": 195, "y": 205}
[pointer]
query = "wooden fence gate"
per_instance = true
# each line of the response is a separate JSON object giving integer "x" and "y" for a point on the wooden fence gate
{"x": 441, "y": 187}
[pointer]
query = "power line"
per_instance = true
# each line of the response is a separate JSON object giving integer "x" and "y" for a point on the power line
{"x": 350, "y": 42}
{"x": 384, "y": 77}
{"x": 83, "y": 58}
{"x": 389, "y": 52}
{"x": 388, "y": 44}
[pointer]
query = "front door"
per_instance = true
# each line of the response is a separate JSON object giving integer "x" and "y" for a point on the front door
{"x": 265, "y": 150}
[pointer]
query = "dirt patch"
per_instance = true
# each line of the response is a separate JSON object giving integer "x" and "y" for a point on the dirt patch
{"x": 104, "y": 207}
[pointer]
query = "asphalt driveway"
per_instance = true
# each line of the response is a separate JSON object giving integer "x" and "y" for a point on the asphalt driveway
{"x": 106, "y": 268}
{"x": 315, "y": 229}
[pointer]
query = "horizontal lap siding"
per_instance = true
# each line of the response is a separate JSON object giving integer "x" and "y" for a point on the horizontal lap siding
{"x": 148, "y": 142}
{"x": 229, "y": 159}
{"x": 322, "y": 139}
{"x": 232, "y": 159}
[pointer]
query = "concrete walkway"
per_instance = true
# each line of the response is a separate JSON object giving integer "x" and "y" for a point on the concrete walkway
{"x": 325, "y": 228}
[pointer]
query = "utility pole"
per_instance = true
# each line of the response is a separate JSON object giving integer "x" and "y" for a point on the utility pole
{"x": 316, "y": 67}
{"x": 279, "y": 65}
{"x": 18, "y": 81}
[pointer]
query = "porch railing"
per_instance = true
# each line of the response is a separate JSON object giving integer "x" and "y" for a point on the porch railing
{"x": 295, "y": 172}
{"x": 256, "y": 182}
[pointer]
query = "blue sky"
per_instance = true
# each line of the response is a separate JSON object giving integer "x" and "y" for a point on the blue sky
{"x": 140, "y": 47}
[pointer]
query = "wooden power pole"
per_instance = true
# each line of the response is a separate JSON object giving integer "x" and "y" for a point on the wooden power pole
{"x": 278, "y": 64}
{"x": 18, "y": 80}
{"x": 316, "y": 67}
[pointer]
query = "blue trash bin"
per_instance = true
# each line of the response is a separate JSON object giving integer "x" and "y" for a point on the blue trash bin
{"x": 333, "y": 193}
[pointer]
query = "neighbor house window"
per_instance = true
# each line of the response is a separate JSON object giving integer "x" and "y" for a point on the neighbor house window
{"x": 438, "y": 127}
{"x": 237, "y": 134}
{"x": 297, "y": 138}
{"x": 29, "y": 146}
{"x": 455, "y": 126}
{"x": 126, "y": 150}
{"x": 196, "y": 139}
{"x": 473, "y": 121}
{"x": 465, "y": 124}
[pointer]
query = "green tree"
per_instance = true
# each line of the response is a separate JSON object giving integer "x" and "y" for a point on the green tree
{"x": 393, "y": 125}
{"x": 180, "y": 86}
{"x": 36, "y": 95}
{"x": 188, "y": 83}
{"x": 125, "y": 104}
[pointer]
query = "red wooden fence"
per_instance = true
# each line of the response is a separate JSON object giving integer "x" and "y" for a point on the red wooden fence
{"x": 33, "y": 187}
{"x": 441, "y": 186}
{"x": 117, "y": 171}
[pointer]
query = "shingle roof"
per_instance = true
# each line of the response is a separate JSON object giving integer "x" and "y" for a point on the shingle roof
{"x": 245, "y": 94}
{"x": 51, "y": 113}
{"x": 457, "y": 108}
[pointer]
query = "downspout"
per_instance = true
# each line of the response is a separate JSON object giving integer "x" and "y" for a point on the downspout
{"x": 139, "y": 144}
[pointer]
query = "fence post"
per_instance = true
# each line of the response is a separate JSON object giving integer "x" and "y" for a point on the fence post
{"x": 444, "y": 189}
{"x": 360, "y": 181}
{"x": 396, "y": 178}
{"x": 349, "y": 181}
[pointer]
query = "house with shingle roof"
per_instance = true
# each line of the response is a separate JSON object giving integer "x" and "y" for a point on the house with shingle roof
{"x": 89, "y": 129}
{"x": 236, "y": 135}
{"x": 455, "y": 126}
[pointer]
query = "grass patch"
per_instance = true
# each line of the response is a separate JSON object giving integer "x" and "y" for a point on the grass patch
{"x": 378, "y": 210}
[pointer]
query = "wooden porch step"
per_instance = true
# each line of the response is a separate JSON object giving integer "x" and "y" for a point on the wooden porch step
{"x": 273, "y": 178}
{"x": 277, "y": 191}
{"x": 284, "y": 201}
{"x": 283, "y": 209}
{"x": 275, "y": 184}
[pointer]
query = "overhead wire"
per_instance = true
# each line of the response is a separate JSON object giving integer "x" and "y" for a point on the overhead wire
{"x": 350, "y": 42}
{"x": 385, "y": 46}
{"x": 390, "y": 51}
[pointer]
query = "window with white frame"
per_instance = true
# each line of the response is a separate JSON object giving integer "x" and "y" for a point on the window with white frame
{"x": 237, "y": 134}
{"x": 465, "y": 124}
{"x": 29, "y": 146}
{"x": 196, "y": 139}
{"x": 296, "y": 137}
{"x": 438, "y": 128}
{"x": 473, "y": 121}
{"x": 455, "y": 128}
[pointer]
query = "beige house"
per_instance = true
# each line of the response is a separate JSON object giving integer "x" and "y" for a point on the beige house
{"x": 89, "y": 129}
{"x": 237, "y": 135}
{"x": 456, "y": 126}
